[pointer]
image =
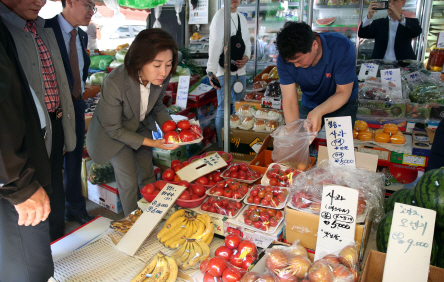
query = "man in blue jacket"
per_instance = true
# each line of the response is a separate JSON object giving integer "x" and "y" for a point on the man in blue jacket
{"x": 72, "y": 43}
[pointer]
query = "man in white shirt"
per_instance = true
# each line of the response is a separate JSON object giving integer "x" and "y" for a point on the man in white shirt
{"x": 393, "y": 35}
{"x": 215, "y": 70}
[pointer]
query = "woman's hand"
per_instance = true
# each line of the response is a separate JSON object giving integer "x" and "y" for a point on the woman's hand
{"x": 160, "y": 143}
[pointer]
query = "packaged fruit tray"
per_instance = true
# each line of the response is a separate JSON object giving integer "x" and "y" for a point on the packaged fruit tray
{"x": 236, "y": 200}
{"x": 226, "y": 214}
{"x": 280, "y": 171}
{"x": 184, "y": 130}
{"x": 271, "y": 230}
{"x": 233, "y": 171}
{"x": 208, "y": 192}
{"x": 184, "y": 143}
{"x": 281, "y": 203}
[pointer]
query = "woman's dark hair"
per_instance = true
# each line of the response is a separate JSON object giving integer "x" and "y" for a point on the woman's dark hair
{"x": 294, "y": 38}
{"x": 145, "y": 47}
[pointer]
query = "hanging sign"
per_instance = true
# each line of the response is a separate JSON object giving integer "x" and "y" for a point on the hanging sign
{"x": 182, "y": 91}
{"x": 340, "y": 141}
{"x": 198, "y": 12}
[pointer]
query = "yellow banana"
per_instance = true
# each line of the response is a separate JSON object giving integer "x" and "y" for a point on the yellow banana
{"x": 168, "y": 227}
{"x": 146, "y": 270}
{"x": 184, "y": 256}
{"x": 176, "y": 237}
{"x": 194, "y": 257}
{"x": 200, "y": 229}
{"x": 193, "y": 227}
{"x": 177, "y": 242}
{"x": 205, "y": 250}
{"x": 209, "y": 240}
{"x": 180, "y": 251}
{"x": 176, "y": 214}
{"x": 161, "y": 272}
{"x": 173, "y": 269}
{"x": 209, "y": 232}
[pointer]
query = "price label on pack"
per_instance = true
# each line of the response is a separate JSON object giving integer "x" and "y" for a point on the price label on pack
{"x": 413, "y": 77}
{"x": 337, "y": 221}
{"x": 182, "y": 91}
{"x": 340, "y": 141}
{"x": 368, "y": 70}
{"x": 149, "y": 219}
{"x": 392, "y": 79}
{"x": 410, "y": 244}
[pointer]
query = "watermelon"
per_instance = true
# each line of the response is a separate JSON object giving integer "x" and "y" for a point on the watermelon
{"x": 403, "y": 196}
{"x": 383, "y": 233}
{"x": 429, "y": 193}
{"x": 326, "y": 21}
{"x": 439, "y": 239}
{"x": 434, "y": 255}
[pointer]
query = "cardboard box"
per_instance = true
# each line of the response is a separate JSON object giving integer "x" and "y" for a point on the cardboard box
{"x": 86, "y": 164}
{"x": 421, "y": 124}
{"x": 244, "y": 144}
{"x": 255, "y": 104}
{"x": 269, "y": 102}
{"x": 383, "y": 154}
{"x": 421, "y": 143}
{"x": 400, "y": 158}
{"x": 206, "y": 111}
{"x": 105, "y": 195}
{"x": 165, "y": 157}
{"x": 374, "y": 269}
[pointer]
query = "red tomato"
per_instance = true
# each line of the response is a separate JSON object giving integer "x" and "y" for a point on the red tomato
{"x": 273, "y": 182}
{"x": 199, "y": 190}
{"x": 156, "y": 192}
{"x": 244, "y": 167}
{"x": 216, "y": 266}
{"x": 207, "y": 131}
{"x": 228, "y": 193}
{"x": 235, "y": 260}
{"x": 184, "y": 183}
{"x": 248, "y": 221}
{"x": 217, "y": 176}
{"x": 237, "y": 195}
{"x": 148, "y": 189}
{"x": 176, "y": 178}
{"x": 204, "y": 265}
{"x": 257, "y": 200}
{"x": 233, "y": 168}
{"x": 196, "y": 129}
{"x": 234, "y": 174}
{"x": 160, "y": 184}
{"x": 231, "y": 275}
{"x": 195, "y": 197}
{"x": 175, "y": 162}
{"x": 248, "y": 247}
{"x": 273, "y": 222}
{"x": 248, "y": 260}
{"x": 238, "y": 205}
{"x": 232, "y": 241}
{"x": 212, "y": 209}
{"x": 185, "y": 163}
{"x": 205, "y": 207}
{"x": 177, "y": 167}
{"x": 168, "y": 174}
{"x": 171, "y": 137}
{"x": 185, "y": 196}
{"x": 187, "y": 135}
{"x": 220, "y": 184}
{"x": 210, "y": 278}
{"x": 202, "y": 180}
{"x": 278, "y": 215}
{"x": 169, "y": 125}
{"x": 223, "y": 252}
{"x": 184, "y": 124}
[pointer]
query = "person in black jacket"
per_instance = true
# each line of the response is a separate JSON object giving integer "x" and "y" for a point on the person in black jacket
{"x": 25, "y": 252}
{"x": 393, "y": 35}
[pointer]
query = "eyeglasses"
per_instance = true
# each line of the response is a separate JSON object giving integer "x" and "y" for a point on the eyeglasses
{"x": 90, "y": 7}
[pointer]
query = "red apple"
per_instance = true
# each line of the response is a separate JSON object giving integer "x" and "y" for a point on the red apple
{"x": 321, "y": 271}
{"x": 276, "y": 260}
{"x": 299, "y": 250}
{"x": 299, "y": 266}
{"x": 348, "y": 256}
{"x": 342, "y": 273}
{"x": 250, "y": 277}
{"x": 301, "y": 200}
{"x": 332, "y": 259}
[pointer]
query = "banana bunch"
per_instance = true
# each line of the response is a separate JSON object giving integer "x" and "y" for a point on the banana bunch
{"x": 182, "y": 225}
{"x": 191, "y": 253}
{"x": 126, "y": 223}
{"x": 161, "y": 268}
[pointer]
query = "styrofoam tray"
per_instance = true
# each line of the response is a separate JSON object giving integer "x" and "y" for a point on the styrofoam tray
{"x": 241, "y": 180}
{"x": 281, "y": 205}
{"x": 217, "y": 214}
{"x": 236, "y": 200}
{"x": 240, "y": 220}
{"x": 184, "y": 143}
{"x": 267, "y": 117}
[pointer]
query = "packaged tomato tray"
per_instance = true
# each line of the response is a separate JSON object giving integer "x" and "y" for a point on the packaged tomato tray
{"x": 181, "y": 133}
{"x": 241, "y": 172}
{"x": 221, "y": 206}
{"x": 267, "y": 196}
{"x": 229, "y": 189}
{"x": 261, "y": 219}
{"x": 279, "y": 175}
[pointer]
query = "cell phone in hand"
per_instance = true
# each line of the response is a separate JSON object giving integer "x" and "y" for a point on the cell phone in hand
{"x": 215, "y": 81}
{"x": 382, "y": 5}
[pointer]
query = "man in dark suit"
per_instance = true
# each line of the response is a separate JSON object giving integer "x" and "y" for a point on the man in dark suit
{"x": 25, "y": 174}
{"x": 72, "y": 43}
{"x": 393, "y": 35}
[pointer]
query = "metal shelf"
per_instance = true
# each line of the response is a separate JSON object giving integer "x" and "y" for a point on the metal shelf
{"x": 436, "y": 21}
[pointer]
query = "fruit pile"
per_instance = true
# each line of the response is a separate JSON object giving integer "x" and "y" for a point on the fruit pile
{"x": 286, "y": 265}
{"x": 152, "y": 189}
{"x": 161, "y": 268}
{"x": 241, "y": 172}
{"x": 280, "y": 175}
{"x": 221, "y": 206}
{"x": 192, "y": 191}
{"x": 229, "y": 188}
{"x": 266, "y": 195}
{"x": 262, "y": 218}
{"x": 389, "y": 133}
{"x": 190, "y": 254}
{"x": 170, "y": 173}
{"x": 231, "y": 261}
{"x": 182, "y": 225}
{"x": 189, "y": 131}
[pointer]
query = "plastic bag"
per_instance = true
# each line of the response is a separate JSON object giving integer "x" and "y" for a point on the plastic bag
{"x": 291, "y": 144}
{"x": 273, "y": 89}
{"x": 268, "y": 196}
{"x": 98, "y": 78}
{"x": 286, "y": 262}
{"x": 218, "y": 205}
{"x": 236, "y": 191}
{"x": 120, "y": 55}
{"x": 101, "y": 62}
{"x": 100, "y": 174}
{"x": 114, "y": 64}
{"x": 261, "y": 218}
{"x": 241, "y": 172}
{"x": 191, "y": 254}
{"x": 279, "y": 175}
{"x": 124, "y": 224}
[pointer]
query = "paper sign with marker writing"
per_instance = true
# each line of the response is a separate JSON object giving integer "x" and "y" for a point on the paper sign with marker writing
{"x": 368, "y": 70}
{"x": 182, "y": 91}
{"x": 150, "y": 217}
{"x": 410, "y": 244}
{"x": 201, "y": 89}
{"x": 392, "y": 78}
{"x": 340, "y": 141}
{"x": 201, "y": 167}
{"x": 440, "y": 43}
{"x": 337, "y": 221}
{"x": 413, "y": 77}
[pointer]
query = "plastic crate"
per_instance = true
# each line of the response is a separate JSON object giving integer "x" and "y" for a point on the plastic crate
{"x": 172, "y": 86}
{"x": 199, "y": 100}
{"x": 187, "y": 113}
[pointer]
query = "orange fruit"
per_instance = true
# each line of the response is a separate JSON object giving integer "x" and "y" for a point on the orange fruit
{"x": 390, "y": 128}
{"x": 382, "y": 137}
{"x": 355, "y": 134}
{"x": 360, "y": 125}
{"x": 365, "y": 136}
{"x": 398, "y": 138}
{"x": 378, "y": 131}
{"x": 265, "y": 76}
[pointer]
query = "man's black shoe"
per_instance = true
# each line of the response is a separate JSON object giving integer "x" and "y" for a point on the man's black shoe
{"x": 81, "y": 219}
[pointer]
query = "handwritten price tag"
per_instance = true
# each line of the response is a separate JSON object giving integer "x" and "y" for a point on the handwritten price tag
{"x": 337, "y": 222}
{"x": 182, "y": 91}
{"x": 410, "y": 244}
{"x": 201, "y": 89}
{"x": 368, "y": 70}
{"x": 413, "y": 77}
{"x": 440, "y": 43}
{"x": 201, "y": 167}
{"x": 340, "y": 141}
{"x": 150, "y": 217}
{"x": 392, "y": 78}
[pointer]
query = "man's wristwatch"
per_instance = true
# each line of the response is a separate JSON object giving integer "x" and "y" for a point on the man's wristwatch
{"x": 402, "y": 18}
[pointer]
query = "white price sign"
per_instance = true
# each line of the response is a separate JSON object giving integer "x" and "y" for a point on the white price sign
{"x": 337, "y": 222}
{"x": 182, "y": 91}
{"x": 440, "y": 43}
{"x": 410, "y": 244}
{"x": 340, "y": 141}
{"x": 150, "y": 217}
{"x": 413, "y": 77}
{"x": 201, "y": 167}
{"x": 368, "y": 70}
{"x": 392, "y": 78}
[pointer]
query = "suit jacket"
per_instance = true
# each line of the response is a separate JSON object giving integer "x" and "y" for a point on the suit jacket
{"x": 54, "y": 24}
{"x": 116, "y": 119}
{"x": 24, "y": 162}
{"x": 31, "y": 64}
{"x": 379, "y": 30}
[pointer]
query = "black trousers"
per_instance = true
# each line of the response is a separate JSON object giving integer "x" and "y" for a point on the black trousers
{"x": 436, "y": 159}
{"x": 57, "y": 197}
{"x": 25, "y": 251}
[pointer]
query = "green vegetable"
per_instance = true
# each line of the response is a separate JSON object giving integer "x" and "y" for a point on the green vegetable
{"x": 99, "y": 174}
{"x": 189, "y": 61}
{"x": 427, "y": 93}
{"x": 173, "y": 109}
{"x": 120, "y": 55}
{"x": 101, "y": 62}
{"x": 383, "y": 233}
{"x": 114, "y": 64}
{"x": 98, "y": 78}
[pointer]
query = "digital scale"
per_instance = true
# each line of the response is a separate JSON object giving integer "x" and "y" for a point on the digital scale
{"x": 199, "y": 51}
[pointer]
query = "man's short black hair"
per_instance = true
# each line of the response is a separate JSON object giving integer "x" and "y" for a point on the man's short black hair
{"x": 294, "y": 37}
{"x": 63, "y": 3}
